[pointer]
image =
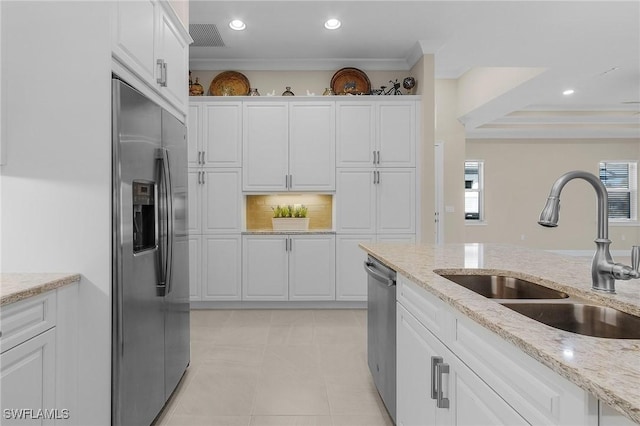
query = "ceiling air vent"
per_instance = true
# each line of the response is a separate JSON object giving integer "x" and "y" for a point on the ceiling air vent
{"x": 206, "y": 35}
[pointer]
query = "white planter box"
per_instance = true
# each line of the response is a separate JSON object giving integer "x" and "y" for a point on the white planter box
{"x": 290, "y": 223}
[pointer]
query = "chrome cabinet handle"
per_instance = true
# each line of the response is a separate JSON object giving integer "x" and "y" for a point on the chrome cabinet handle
{"x": 435, "y": 360}
{"x": 290, "y": 181}
{"x": 378, "y": 161}
{"x": 162, "y": 79}
{"x": 441, "y": 401}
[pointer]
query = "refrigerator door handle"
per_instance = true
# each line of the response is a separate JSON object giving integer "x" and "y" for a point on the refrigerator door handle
{"x": 165, "y": 246}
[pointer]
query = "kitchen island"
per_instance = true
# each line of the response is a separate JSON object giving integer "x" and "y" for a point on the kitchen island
{"x": 609, "y": 369}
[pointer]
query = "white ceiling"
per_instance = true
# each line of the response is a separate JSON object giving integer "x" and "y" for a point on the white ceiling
{"x": 578, "y": 42}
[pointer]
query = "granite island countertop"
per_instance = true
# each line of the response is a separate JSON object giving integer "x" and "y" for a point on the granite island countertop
{"x": 585, "y": 361}
{"x": 18, "y": 286}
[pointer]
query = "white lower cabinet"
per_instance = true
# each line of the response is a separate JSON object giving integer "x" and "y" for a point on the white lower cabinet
{"x": 288, "y": 267}
{"x": 195, "y": 267}
{"x": 486, "y": 379}
{"x": 28, "y": 380}
{"x": 38, "y": 361}
{"x": 215, "y": 267}
{"x": 448, "y": 394}
{"x": 221, "y": 267}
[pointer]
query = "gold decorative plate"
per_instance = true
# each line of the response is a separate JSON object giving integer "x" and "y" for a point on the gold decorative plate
{"x": 350, "y": 81}
{"x": 229, "y": 83}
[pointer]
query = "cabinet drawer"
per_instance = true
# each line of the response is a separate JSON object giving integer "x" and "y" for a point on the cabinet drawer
{"x": 23, "y": 320}
{"x": 537, "y": 393}
{"x": 426, "y": 307}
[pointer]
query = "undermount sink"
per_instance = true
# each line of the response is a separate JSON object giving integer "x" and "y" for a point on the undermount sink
{"x": 580, "y": 318}
{"x": 502, "y": 287}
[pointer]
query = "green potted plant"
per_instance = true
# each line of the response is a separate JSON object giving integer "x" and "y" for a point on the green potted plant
{"x": 290, "y": 218}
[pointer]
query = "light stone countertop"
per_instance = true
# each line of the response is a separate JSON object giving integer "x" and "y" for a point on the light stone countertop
{"x": 18, "y": 286}
{"x": 272, "y": 232}
{"x": 608, "y": 368}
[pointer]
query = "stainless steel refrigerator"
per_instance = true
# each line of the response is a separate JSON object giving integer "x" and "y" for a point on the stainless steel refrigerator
{"x": 150, "y": 297}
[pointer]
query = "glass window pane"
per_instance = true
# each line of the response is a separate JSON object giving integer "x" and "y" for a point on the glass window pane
{"x": 619, "y": 205}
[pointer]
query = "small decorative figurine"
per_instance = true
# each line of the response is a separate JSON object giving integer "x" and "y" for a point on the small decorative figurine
{"x": 196, "y": 88}
{"x": 288, "y": 92}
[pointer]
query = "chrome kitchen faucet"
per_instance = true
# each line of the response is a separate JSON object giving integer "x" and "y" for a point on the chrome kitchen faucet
{"x": 604, "y": 271}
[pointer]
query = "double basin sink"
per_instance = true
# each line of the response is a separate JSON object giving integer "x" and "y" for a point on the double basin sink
{"x": 552, "y": 307}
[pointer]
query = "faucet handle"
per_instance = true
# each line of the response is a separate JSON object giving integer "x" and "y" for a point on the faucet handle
{"x": 635, "y": 258}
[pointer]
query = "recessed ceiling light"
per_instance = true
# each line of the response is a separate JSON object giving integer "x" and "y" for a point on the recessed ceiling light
{"x": 568, "y": 92}
{"x": 332, "y": 24}
{"x": 237, "y": 25}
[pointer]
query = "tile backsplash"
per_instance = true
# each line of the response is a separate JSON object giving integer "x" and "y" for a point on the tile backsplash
{"x": 259, "y": 212}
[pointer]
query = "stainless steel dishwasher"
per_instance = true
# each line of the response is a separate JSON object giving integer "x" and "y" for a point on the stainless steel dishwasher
{"x": 381, "y": 330}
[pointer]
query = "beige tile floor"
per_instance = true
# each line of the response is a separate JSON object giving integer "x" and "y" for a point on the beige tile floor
{"x": 277, "y": 368}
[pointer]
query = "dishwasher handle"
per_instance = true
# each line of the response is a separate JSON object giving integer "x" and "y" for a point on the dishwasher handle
{"x": 368, "y": 266}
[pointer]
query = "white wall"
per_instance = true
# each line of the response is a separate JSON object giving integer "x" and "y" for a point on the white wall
{"x": 518, "y": 177}
{"x": 56, "y": 184}
{"x": 451, "y": 133}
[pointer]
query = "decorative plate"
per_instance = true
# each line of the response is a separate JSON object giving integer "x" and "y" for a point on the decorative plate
{"x": 350, "y": 81}
{"x": 229, "y": 83}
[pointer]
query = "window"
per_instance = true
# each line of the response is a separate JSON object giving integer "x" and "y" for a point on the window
{"x": 473, "y": 190}
{"x": 621, "y": 179}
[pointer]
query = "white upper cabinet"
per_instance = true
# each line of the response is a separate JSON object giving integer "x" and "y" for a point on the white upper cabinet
{"x": 222, "y": 131}
{"x": 355, "y": 134}
{"x": 134, "y": 36}
{"x": 376, "y": 133}
{"x": 376, "y": 201}
{"x": 149, "y": 40}
{"x": 288, "y": 146}
{"x": 396, "y": 134}
{"x": 172, "y": 58}
{"x": 312, "y": 146}
{"x": 194, "y": 133}
{"x": 265, "y": 139}
{"x": 215, "y": 134}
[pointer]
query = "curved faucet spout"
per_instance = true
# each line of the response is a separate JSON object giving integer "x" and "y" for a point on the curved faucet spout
{"x": 550, "y": 213}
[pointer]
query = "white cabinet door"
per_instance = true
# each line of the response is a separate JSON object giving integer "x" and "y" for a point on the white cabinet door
{"x": 28, "y": 378}
{"x": 222, "y": 130}
{"x": 221, "y": 267}
{"x": 312, "y": 146}
{"x": 264, "y": 267}
{"x": 195, "y": 267}
{"x": 415, "y": 347}
{"x": 265, "y": 136}
{"x": 173, "y": 51}
{"x": 312, "y": 261}
{"x": 396, "y": 134}
{"x": 194, "y": 133}
{"x": 222, "y": 201}
{"x": 351, "y": 278}
{"x": 355, "y": 134}
{"x": 355, "y": 201}
{"x": 194, "y": 182}
{"x": 396, "y": 201}
{"x": 133, "y": 36}
{"x": 472, "y": 401}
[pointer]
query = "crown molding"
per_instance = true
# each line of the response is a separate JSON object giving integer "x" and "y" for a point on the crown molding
{"x": 326, "y": 64}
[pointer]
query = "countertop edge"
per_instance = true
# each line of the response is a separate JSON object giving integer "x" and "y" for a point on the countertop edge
{"x": 20, "y": 286}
